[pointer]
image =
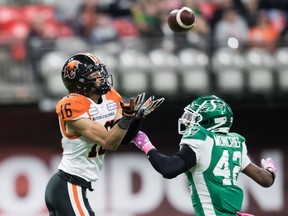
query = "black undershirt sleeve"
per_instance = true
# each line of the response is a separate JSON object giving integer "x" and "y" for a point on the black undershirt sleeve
{"x": 132, "y": 131}
{"x": 172, "y": 166}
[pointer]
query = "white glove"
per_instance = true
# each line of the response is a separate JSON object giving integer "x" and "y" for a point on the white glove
{"x": 149, "y": 106}
{"x": 269, "y": 165}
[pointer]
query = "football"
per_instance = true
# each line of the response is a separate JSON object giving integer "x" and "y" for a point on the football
{"x": 181, "y": 20}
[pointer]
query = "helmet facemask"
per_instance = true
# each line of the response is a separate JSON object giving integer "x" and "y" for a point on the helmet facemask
{"x": 106, "y": 83}
{"x": 189, "y": 118}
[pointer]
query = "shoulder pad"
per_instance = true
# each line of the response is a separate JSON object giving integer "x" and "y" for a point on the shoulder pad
{"x": 196, "y": 132}
{"x": 72, "y": 106}
{"x": 115, "y": 96}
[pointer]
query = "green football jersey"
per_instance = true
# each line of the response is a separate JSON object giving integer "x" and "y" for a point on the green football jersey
{"x": 219, "y": 160}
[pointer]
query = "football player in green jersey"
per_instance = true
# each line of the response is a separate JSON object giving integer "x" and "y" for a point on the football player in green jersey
{"x": 211, "y": 157}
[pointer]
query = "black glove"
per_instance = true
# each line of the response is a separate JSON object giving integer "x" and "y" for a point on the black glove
{"x": 130, "y": 109}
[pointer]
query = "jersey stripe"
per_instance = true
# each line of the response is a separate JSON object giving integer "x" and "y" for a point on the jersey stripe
{"x": 198, "y": 177}
{"x": 75, "y": 195}
{"x": 204, "y": 197}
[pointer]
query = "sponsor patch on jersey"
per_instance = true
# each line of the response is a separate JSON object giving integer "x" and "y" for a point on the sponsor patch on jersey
{"x": 105, "y": 116}
{"x": 111, "y": 106}
{"x": 93, "y": 111}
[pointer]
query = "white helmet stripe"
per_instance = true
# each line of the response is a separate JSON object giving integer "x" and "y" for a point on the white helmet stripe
{"x": 94, "y": 58}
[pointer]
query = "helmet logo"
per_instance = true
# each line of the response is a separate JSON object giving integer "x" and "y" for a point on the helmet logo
{"x": 70, "y": 69}
{"x": 212, "y": 106}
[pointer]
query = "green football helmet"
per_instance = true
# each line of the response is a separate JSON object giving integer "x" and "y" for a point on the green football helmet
{"x": 210, "y": 112}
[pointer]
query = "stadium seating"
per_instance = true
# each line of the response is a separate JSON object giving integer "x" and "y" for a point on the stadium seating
{"x": 51, "y": 66}
{"x": 9, "y": 13}
{"x": 259, "y": 65}
{"x": 135, "y": 64}
{"x": 133, "y": 71}
{"x": 281, "y": 68}
{"x": 29, "y": 12}
{"x": 228, "y": 65}
{"x": 16, "y": 30}
{"x": 71, "y": 45}
{"x": 164, "y": 68}
{"x": 194, "y": 75}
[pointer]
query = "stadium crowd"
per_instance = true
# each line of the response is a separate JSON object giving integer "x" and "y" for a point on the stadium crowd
{"x": 30, "y": 29}
{"x": 252, "y": 22}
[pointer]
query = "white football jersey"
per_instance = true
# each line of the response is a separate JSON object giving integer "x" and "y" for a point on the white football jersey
{"x": 81, "y": 157}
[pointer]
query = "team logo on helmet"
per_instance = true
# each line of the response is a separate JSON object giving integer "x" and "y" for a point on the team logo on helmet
{"x": 70, "y": 69}
{"x": 212, "y": 105}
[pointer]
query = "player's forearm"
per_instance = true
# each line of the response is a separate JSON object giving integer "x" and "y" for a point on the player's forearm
{"x": 168, "y": 166}
{"x": 267, "y": 179}
{"x": 264, "y": 178}
{"x": 259, "y": 175}
{"x": 117, "y": 133}
{"x": 98, "y": 134}
{"x": 132, "y": 130}
{"x": 114, "y": 138}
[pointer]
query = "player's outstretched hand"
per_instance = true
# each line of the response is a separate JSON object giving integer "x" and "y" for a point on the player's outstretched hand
{"x": 141, "y": 140}
{"x": 130, "y": 109}
{"x": 269, "y": 165}
{"x": 149, "y": 106}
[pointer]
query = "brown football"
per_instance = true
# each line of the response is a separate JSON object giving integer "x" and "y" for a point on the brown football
{"x": 181, "y": 20}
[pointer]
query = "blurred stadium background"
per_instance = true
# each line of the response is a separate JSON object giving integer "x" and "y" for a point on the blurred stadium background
{"x": 238, "y": 50}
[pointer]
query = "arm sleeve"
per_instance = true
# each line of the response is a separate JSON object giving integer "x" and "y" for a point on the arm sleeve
{"x": 132, "y": 130}
{"x": 172, "y": 166}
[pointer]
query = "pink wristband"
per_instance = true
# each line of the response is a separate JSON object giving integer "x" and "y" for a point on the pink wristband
{"x": 243, "y": 214}
{"x": 147, "y": 147}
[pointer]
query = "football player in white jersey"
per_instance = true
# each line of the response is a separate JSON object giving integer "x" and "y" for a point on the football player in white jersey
{"x": 92, "y": 119}
{"x": 211, "y": 157}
